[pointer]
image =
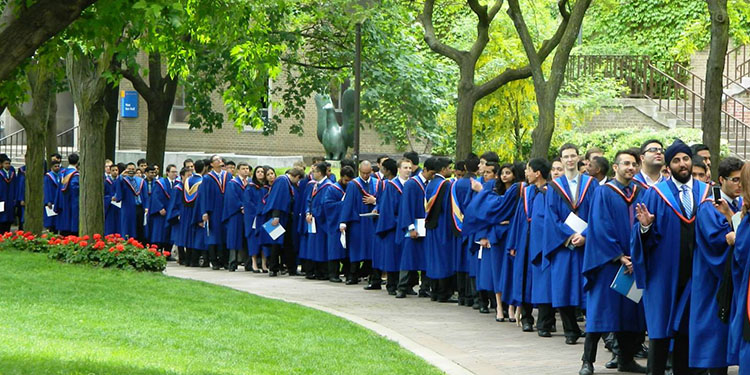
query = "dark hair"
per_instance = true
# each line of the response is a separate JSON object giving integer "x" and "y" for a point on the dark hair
{"x": 602, "y": 164}
{"x": 557, "y": 158}
{"x": 347, "y": 171}
{"x": 471, "y": 165}
{"x": 431, "y": 164}
{"x": 150, "y": 169}
{"x": 495, "y": 167}
{"x": 490, "y": 157}
{"x": 171, "y": 166}
{"x": 380, "y": 158}
{"x": 500, "y": 188}
{"x": 728, "y": 165}
{"x": 183, "y": 171}
{"x": 629, "y": 151}
{"x": 120, "y": 167}
{"x": 460, "y": 165}
{"x": 244, "y": 164}
{"x": 391, "y": 166}
{"x": 142, "y": 161}
{"x": 349, "y": 163}
{"x": 540, "y": 165}
{"x": 375, "y": 168}
{"x": 650, "y": 141}
{"x": 55, "y": 155}
{"x": 580, "y": 164}
{"x": 592, "y": 150}
{"x": 698, "y": 162}
{"x": 231, "y": 163}
{"x": 72, "y": 159}
{"x": 444, "y": 163}
{"x": 295, "y": 172}
{"x": 321, "y": 167}
{"x": 255, "y": 179}
{"x": 568, "y": 146}
{"x": 198, "y": 165}
{"x": 472, "y": 155}
{"x": 184, "y": 162}
{"x": 699, "y": 147}
{"x": 4, "y": 158}
{"x": 519, "y": 170}
{"x": 413, "y": 156}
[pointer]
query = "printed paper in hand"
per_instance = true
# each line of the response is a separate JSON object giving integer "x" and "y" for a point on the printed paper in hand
{"x": 50, "y": 211}
{"x": 342, "y": 239}
{"x": 480, "y": 253}
{"x": 370, "y": 214}
{"x": 736, "y": 219}
{"x": 2, "y": 206}
{"x": 273, "y": 231}
{"x": 419, "y": 225}
{"x": 311, "y": 227}
{"x": 255, "y": 218}
{"x": 575, "y": 223}
{"x": 145, "y": 219}
{"x": 625, "y": 284}
{"x": 117, "y": 204}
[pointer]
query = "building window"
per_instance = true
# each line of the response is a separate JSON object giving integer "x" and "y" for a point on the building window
{"x": 180, "y": 115}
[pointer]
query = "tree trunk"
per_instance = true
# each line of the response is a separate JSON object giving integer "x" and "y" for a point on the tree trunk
{"x": 158, "y": 121}
{"x": 111, "y": 98}
{"x": 711, "y": 115}
{"x": 50, "y": 141}
{"x": 464, "y": 123}
{"x": 541, "y": 136}
{"x": 88, "y": 87}
{"x": 33, "y": 217}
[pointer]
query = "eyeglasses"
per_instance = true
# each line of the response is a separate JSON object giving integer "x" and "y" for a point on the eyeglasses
{"x": 655, "y": 149}
{"x": 628, "y": 164}
{"x": 735, "y": 180}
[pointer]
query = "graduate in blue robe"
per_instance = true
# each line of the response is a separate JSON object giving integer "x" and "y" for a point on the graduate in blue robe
{"x": 8, "y": 193}
{"x": 254, "y": 193}
{"x": 191, "y": 222}
{"x": 462, "y": 195}
{"x": 130, "y": 192}
{"x": 233, "y": 218}
{"x": 301, "y": 232}
{"x": 149, "y": 187}
{"x": 66, "y": 204}
{"x": 662, "y": 251}
{"x": 211, "y": 203}
{"x": 111, "y": 217}
{"x": 360, "y": 231}
{"x": 157, "y": 212}
{"x": 172, "y": 220}
{"x": 279, "y": 210}
{"x": 51, "y": 187}
{"x": 738, "y": 346}
{"x": 411, "y": 209}
{"x": 561, "y": 257}
{"x": 20, "y": 208}
{"x": 607, "y": 249}
{"x": 439, "y": 241}
{"x": 709, "y": 259}
{"x": 317, "y": 245}
{"x": 480, "y": 269}
{"x": 385, "y": 229}
{"x": 333, "y": 201}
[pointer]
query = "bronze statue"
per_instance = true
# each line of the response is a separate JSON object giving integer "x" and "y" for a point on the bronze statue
{"x": 336, "y": 139}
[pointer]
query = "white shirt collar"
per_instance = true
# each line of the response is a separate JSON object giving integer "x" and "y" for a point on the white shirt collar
{"x": 651, "y": 182}
{"x": 603, "y": 181}
{"x": 421, "y": 178}
{"x": 322, "y": 180}
{"x": 679, "y": 184}
{"x": 402, "y": 181}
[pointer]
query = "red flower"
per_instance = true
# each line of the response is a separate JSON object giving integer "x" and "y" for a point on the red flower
{"x": 167, "y": 253}
{"x": 44, "y": 235}
{"x": 85, "y": 238}
{"x": 153, "y": 246}
{"x": 120, "y": 247}
{"x": 83, "y": 244}
{"x": 97, "y": 236}
{"x": 19, "y": 233}
{"x": 99, "y": 245}
{"x": 158, "y": 254}
{"x": 111, "y": 249}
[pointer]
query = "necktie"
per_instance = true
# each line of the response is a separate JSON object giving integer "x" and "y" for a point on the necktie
{"x": 630, "y": 206}
{"x": 574, "y": 191}
{"x": 687, "y": 201}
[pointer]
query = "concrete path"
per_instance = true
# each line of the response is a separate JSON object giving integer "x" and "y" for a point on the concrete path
{"x": 456, "y": 339}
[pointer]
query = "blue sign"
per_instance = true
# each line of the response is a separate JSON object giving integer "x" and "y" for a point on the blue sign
{"x": 129, "y": 104}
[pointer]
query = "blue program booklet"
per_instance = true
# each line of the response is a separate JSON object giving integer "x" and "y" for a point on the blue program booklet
{"x": 625, "y": 285}
{"x": 273, "y": 231}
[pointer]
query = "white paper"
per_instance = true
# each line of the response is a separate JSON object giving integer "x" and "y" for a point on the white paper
{"x": 254, "y": 222}
{"x": 736, "y": 219}
{"x": 208, "y": 231}
{"x": 2, "y": 206}
{"x": 277, "y": 232}
{"x": 312, "y": 228}
{"x": 635, "y": 294}
{"x": 576, "y": 223}
{"x": 50, "y": 211}
{"x": 342, "y": 239}
{"x": 369, "y": 214}
{"x": 480, "y": 253}
{"x": 145, "y": 219}
{"x": 116, "y": 204}
{"x": 421, "y": 230}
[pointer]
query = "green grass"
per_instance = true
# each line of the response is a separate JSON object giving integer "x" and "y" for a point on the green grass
{"x": 68, "y": 319}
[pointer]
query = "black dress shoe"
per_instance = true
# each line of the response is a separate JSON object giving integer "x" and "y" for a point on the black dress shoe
{"x": 461, "y": 301}
{"x": 422, "y": 293}
{"x": 543, "y": 333}
{"x": 410, "y": 292}
{"x": 586, "y": 369}
{"x": 527, "y": 327}
{"x": 631, "y": 366}
{"x": 391, "y": 292}
{"x": 469, "y": 302}
{"x": 484, "y": 310}
{"x": 273, "y": 274}
{"x": 335, "y": 280}
{"x": 232, "y": 269}
{"x": 571, "y": 340}
{"x": 643, "y": 353}
{"x": 500, "y": 320}
{"x": 352, "y": 282}
{"x": 475, "y": 306}
{"x": 447, "y": 300}
{"x": 372, "y": 287}
{"x": 264, "y": 271}
{"x": 400, "y": 294}
{"x": 433, "y": 297}
{"x": 321, "y": 278}
{"x": 612, "y": 362}
{"x": 553, "y": 329}
{"x": 582, "y": 334}
{"x": 215, "y": 268}
{"x": 309, "y": 276}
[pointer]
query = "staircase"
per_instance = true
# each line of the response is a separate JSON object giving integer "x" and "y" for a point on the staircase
{"x": 14, "y": 144}
{"x": 677, "y": 93}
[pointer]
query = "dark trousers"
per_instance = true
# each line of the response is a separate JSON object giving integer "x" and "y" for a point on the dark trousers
{"x": 626, "y": 340}
{"x": 5, "y": 227}
{"x": 321, "y": 270}
{"x": 140, "y": 233}
{"x": 546, "y": 317}
{"x": 526, "y": 313}
{"x": 195, "y": 258}
{"x": 484, "y": 298}
{"x": 376, "y": 276}
{"x": 410, "y": 279}
{"x": 392, "y": 281}
{"x": 234, "y": 258}
{"x": 568, "y": 317}
{"x": 218, "y": 255}
{"x": 471, "y": 290}
{"x": 462, "y": 284}
{"x": 334, "y": 269}
{"x": 283, "y": 253}
{"x": 443, "y": 288}
{"x": 182, "y": 256}
{"x": 365, "y": 269}
{"x": 353, "y": 273}
{"x": 658, "y": 352}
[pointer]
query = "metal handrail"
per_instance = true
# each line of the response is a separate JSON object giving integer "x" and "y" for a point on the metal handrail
{"x": 14, "y": 144}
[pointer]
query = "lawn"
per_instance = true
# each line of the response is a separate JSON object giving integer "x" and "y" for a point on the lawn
{"x": 72, "y": 319}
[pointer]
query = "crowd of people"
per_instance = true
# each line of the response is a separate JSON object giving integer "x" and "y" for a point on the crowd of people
{"x": 645, "y": 244}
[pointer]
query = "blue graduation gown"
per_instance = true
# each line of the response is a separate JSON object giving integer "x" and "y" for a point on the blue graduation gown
{"x": 518, "y": 240}
{"x": 233, "y": 219}
{"x": 8, "y": 193}
{"x": 253, "y": 204}
{"x": 439, "y": 242}
{"x": 21, "y": 194}
{"x": 410, "y": 209}
{"x": 194, "y": 236}
{"x": 280, "y": 199}
{"x": 130, "y": 193}
{"x": 111, "y": 213}
{"x": 301, "y": 224}
{"x": 461, "y": 197}
{"x": 360, "y": 230}
{"x": 738, "y": 350}
{"x": 656, "y": 258}
{"x": 148, "y": 190}
{"x": 565, "y": 264}
{"x": 161, "y": 195}
{"x": 317, "y": 243}
{"x": 542, "y": 284}
{"x": 333, "y": 201}
{"x": 611, "y": 216}
{"x": 390, "y": 243}
{"x": 211, "y": 202}
{"x": 51, "y": 186}
{"x": 66, "y": 204}
{"x": 711, "y": 228}
{"x": 174, "y": 209}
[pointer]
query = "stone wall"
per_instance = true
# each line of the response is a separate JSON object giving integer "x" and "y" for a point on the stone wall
{"x": 624, "y": 114}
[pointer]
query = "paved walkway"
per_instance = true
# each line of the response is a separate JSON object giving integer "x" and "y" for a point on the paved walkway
{"x": 456, "y": 339}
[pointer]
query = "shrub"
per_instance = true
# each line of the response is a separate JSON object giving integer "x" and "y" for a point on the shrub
{"x": 102, "y": 251}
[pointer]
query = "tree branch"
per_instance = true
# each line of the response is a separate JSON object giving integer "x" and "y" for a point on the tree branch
{"x": 535, "y": 62}
{"x": 138, "y": 84}
{"x": 432, "y": 41}
{"x": 483, "y": 26}
{"x": 508, "y": 75}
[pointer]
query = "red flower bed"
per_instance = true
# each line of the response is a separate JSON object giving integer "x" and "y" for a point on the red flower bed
{"x": 103, "y": 251}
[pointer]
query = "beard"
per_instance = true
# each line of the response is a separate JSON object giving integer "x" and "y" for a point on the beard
{"x": 677, "y": 175}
